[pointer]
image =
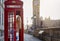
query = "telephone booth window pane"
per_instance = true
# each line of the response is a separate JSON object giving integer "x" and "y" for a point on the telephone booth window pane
{"x": 10, "y": 25}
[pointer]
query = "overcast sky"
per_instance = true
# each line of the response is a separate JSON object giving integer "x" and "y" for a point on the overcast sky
{"x": 50, "y": 8}
{"x": 27, "y": 11}
{"x": 47, "y": 8}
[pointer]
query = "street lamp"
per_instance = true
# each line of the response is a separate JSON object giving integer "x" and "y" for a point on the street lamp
{"x": 34, "y": 17}
{"x": 34, "y": 21}
{"x": 27, "y": 23}
{"x": 41, "y": 23}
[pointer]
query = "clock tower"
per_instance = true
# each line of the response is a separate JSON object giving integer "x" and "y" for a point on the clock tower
{"x": 36, "y": 11}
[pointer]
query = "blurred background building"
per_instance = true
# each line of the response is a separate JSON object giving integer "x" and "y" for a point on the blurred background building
{"x": 47, "y": 23}
{"x": 36, "y": 17}
{"x": 1, "y": 20}
{"x": 36, "y": 11}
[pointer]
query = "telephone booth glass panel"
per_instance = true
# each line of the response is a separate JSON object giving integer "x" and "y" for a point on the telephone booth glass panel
{"x": 11, "y": 26}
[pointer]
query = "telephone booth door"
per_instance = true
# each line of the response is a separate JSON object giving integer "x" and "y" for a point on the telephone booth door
{"x": 14, "y": 25}
{"x": 11, "y": 27}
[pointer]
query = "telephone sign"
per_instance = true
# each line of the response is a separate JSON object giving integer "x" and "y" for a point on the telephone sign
{"x": 13, "y": 6}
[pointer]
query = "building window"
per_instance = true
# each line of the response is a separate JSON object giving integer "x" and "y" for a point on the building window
{"x": 2, "y": 19}
{"x": 0, "y": 1}
{"x": 0, "y": 33}
{"x": 0, "y": 15}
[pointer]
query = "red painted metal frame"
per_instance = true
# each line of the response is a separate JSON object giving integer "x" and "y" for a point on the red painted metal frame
{"x": 6, "y": 10}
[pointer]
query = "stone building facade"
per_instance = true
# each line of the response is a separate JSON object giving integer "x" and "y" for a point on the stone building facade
{"x": 51, "y": 34}
{"x": 1, "y": 20}
{"x": 51, "y": 30}
{"x": 51, "y": 23}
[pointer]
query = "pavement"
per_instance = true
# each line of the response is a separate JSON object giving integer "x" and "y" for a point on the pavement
{"x": 28, "y": 37}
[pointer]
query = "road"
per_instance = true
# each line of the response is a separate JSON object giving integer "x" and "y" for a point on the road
{"x": 28, "y": 37}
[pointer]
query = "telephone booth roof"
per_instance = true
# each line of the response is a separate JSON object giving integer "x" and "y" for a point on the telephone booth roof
{"x": 13, "y": 2}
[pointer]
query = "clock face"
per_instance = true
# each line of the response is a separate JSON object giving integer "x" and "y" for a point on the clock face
{"x": 36, "y": 2}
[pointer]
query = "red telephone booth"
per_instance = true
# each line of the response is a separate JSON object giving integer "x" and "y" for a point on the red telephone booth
{"x": 13, "y": 20}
